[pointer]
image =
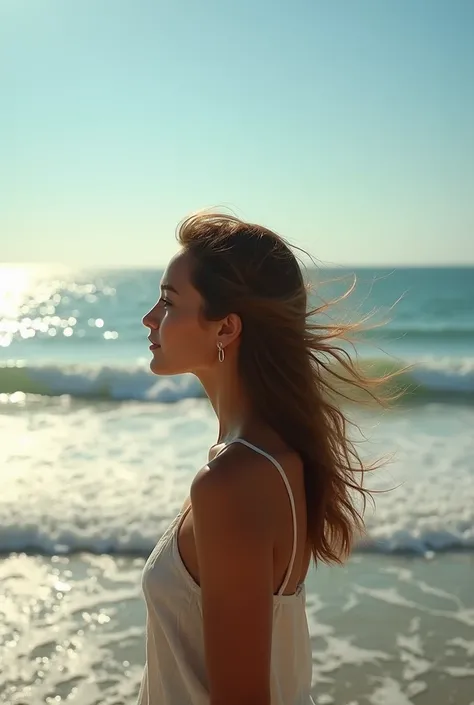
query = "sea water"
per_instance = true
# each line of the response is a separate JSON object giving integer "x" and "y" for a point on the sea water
{"x": 97, "y": 454}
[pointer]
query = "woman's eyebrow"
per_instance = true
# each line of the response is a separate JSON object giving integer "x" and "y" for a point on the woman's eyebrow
{"x": 168, "y": 287}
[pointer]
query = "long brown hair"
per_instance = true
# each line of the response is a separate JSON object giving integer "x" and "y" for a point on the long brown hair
{"x": 292, "y": 364}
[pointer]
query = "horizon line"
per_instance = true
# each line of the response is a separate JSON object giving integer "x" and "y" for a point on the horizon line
{"x": 312, "y": 265}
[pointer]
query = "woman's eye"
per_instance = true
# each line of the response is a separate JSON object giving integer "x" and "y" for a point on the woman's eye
{"x": 165, "y": 301}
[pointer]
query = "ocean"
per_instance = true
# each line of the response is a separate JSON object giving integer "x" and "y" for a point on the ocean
{"x": 97, "y": 456}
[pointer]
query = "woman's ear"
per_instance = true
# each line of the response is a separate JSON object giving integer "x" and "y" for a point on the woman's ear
{"x": 230, "y": 329}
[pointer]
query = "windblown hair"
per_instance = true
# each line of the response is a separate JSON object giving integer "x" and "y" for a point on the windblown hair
{"x": 292, "y": 364}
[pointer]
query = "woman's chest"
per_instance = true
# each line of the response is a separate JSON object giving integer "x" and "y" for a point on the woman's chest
{"x": 158, "y": 570}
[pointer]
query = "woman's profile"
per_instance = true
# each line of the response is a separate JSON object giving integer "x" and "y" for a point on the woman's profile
{"x": 225, "y": 585}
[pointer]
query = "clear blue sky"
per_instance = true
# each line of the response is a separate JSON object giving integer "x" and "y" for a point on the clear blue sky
{"x": 345, "y": 125}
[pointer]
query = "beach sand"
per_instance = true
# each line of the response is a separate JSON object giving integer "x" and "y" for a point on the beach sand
{"x": 386, "y": 630}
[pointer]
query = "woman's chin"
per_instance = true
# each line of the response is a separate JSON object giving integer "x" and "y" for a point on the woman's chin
{"x": 159, "y": 367}
{"x": 157, "y": 364}
{"x": 156, "y": 367}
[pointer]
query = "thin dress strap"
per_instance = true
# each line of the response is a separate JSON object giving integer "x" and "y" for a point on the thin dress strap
{"x": 292, "y": 503}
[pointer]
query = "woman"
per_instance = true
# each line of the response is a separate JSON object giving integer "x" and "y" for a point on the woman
{"x": 224, "y": 586}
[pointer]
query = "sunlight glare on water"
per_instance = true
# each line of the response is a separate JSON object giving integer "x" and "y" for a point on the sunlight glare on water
{"x": 15, "y": 283}
{"x": 29, "y": 295}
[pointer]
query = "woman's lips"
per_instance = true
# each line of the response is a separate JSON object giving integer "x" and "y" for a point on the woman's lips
{"x": 154, "y": 346}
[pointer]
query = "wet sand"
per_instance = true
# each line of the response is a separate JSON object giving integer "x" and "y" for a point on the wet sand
{"x": 386, "y": 630}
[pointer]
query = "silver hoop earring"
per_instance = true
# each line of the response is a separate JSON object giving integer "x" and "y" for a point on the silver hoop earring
{"x": 221, "y": 353}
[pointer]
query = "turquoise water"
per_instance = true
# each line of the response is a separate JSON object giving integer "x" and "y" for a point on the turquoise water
{"x": 52, "y": 319}
{"x": 431, "y": 310}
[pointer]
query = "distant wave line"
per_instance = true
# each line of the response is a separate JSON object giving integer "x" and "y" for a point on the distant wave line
{"x": 426, "y": 378}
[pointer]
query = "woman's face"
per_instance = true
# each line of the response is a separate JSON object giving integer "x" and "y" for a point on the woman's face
{"x": 182, "y": 340}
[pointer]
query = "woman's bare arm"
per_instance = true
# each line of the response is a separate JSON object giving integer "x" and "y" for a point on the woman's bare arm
{"x": 234, "y": 546}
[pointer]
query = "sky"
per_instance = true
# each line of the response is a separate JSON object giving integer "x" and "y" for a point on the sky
{"x": 346, "y": 126}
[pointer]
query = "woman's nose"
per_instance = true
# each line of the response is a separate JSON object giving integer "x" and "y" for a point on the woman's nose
{"x": 150, "y": 319}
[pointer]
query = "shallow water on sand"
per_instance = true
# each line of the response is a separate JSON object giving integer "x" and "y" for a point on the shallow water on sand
{"x": 386, "y": 630}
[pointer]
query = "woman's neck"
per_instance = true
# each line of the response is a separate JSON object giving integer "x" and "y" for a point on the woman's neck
{"x": 231, "y": 404}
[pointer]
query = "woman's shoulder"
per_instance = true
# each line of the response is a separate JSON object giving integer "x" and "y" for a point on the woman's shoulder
{"x": 243, "y": 483}
{"x": 233, "y": 475}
